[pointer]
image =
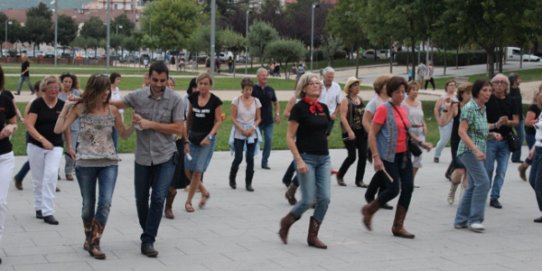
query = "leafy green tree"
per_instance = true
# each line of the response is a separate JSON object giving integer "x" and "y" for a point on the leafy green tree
{"x": 94, "y": 30}
{"x": 130, "y": 43}
{"x": 285, "y": 51}
{"x": 297, "y": 17}
{"x": 171, "y": 22}
{"x": 67, "y": 30}
{"x": 330, "y": 46}
{"x": 122, "y": 24}
{"x": 259, "y": 36}
{"x": 233, "y": 42}
{"x": 39, "y": 25}
{"x": 199, "y": 40}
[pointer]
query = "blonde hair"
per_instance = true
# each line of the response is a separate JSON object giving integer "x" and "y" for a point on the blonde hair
{"x": 50, "y": 79}
{"x": 380, "y": 82}
{"x": 537, "y": 101}
{"x": 303, "y": 82}
{"x": 203, "y": 76}
{"x": 411, "y": 85}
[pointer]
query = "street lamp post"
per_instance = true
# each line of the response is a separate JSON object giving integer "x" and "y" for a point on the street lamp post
{"x": 246, "y": 35}
{"x": 312, "y": 31}
{"x": 55, "y": 2}
{"x": 6, "y": 22}
{"x": 108, "y": 34}
{"x": 213, "y": 29}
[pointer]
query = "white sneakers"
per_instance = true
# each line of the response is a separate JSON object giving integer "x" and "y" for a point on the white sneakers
{"x": 476, "y": 227}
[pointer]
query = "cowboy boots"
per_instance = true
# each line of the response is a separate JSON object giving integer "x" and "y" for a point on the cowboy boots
{"x": 248, "y": 180}
{"x": 171, "y": 193}
{"x": 312, "y": 237}
{"x": 233, "y": 175}
{"x": 94, "y": 249}
{"x": 398, "y": 228}
{"x": 368, "y": 211}
{"x": 523, "y": 171}
{"x": 285, "y": 224}
{"x": 88, "y": 233}
{"x": 290, "y": 194}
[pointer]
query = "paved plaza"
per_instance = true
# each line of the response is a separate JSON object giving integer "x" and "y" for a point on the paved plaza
{"x": 238, "y": 229}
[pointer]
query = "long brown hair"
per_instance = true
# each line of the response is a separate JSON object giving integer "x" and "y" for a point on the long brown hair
{"x": 97, "y": 84}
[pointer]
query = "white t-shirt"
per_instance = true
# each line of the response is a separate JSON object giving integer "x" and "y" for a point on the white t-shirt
{"x": 331, "y": 96}
{"x": 246, "y": 116}
{"x": 116, "y": 96}
{"x": 374, "y": 103}
{"x": 538, "y": 135}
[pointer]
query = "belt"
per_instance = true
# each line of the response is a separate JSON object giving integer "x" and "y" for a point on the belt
{"x": 416, "y": 126}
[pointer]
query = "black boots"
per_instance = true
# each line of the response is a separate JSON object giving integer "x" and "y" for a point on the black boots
{"x": 168, "y": 211}
{"x": 94, "y": 249}
{"x": 398, "y": 228}
{"x": 290, "y": 194}
{"x": 248, "y": 180}
{"x": 233, "y": 174}
{"x": 312, "y": 237}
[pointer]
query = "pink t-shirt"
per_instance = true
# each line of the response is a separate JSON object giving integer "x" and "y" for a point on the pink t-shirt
{"x": 380, "y": 118}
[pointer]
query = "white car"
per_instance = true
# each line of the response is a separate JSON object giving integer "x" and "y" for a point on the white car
{"x": 514, "y": 54}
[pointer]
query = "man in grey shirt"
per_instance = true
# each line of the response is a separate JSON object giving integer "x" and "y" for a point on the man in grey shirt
{"x": 158, "y": 116}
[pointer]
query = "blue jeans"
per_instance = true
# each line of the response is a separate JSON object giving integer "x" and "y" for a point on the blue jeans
{"x": 88, "y": 177}
{"x": 497, "y": 151}
{"x": 472, "y": 206}
{"x": 314, "y": 186}
{"x": 520, "y": 129}
{"x": 267, "y": 131}
{"x": 69, "y": 167}
{"x": 403, "y": 181}
{"x": 158, "y": 177}
{"x": 23, "y": 79}
{"x": 535, "y": 177}
{"x": 445, "y": 135}
{"x": 22, "y": 172}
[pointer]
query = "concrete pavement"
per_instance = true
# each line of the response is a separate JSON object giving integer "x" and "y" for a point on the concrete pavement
{"x": 238, "y": 229}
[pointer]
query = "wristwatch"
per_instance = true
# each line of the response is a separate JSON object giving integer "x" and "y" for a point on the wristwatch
{"x": 210, "y": 137}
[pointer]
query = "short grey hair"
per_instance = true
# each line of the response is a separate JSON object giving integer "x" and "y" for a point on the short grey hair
{"x": 504, "y": 78}
{"x": 327, "y": 69}
{"x": 261, "y": 70}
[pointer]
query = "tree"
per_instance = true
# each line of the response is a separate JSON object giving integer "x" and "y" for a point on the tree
{"x": 233, "y": 42}
{"x": 38, "y": 25}
{"x": 67, "y": 30}
{"x": 285, "y": 51}
{"x": 331, "y": 45}
{"x": 94, "y": 31}
{"x": 171, "y": 22}
{"x": 297, "y": 17}
{"x": 123, "y": 24}
{"x": 260, "y": 34}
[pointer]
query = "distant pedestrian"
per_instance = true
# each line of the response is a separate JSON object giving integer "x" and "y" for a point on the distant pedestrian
{"x": 116, "y": 95}
{"x": 70, "y": 88}
{"x": 25, "y": 76}
{"x": 444, "y": 111}
{"x": 517, "y": 100}
{"x": 429, "y": 76}
{"x": 421, "y": 72}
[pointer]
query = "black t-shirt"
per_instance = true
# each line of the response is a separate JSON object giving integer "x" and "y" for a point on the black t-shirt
{"x": 515, "y": 96}
{"x": 24, "y": 66}
{"x": 311, "y": 135}
{"x": 45, "y": 121}
{"x": 455, "y": 125}
{"x": 7, "y": 93}
{"x": 267, "y": 97}
{"x": 203, "y": 117}
{"x": 7, "y": 111}
{"x": 496, "y": 108}
{"x": 533, "y": 108}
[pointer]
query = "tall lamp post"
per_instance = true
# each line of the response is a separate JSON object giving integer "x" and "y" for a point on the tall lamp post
{"x": 108, "y": 34}
{"x": 55, "y": 2}
{"x": 246, "y": 35}
{"x": 6, "y": 22}
{"x": 312, "y": 31}
{"x": 213, "y": 28}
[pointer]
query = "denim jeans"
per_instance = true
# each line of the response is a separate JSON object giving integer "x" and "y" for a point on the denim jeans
{"x": 497, "y": 151}
{"x": 535, "y": 177}
{"x": 267, "y": 131}
{"x": 88, "y": 177}
{"x": 23, "y": 79}
{"x": 360, "y": 145}
{"x": 403, "y": 181}
{"x": 239, "y": 146}
{"x": 472, "y": 206}
{"x": 69, "y": 167}
{"x": 22, "y": 172}
{"x": 520, "y": 129}
{"x": 314, "y": 186}
{"x": 158, "y": 177}
{"x": 445, "y": 135}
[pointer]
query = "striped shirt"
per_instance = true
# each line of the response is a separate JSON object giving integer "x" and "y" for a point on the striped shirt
{"x": 478, "y": 130}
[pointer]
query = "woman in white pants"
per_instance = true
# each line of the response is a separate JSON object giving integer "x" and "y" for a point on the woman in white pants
{"x": 8, "y": 125}
{"x": 445, "y": 110}
{"x": 44, "y": 147}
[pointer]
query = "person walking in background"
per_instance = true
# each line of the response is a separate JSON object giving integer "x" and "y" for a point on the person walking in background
{"x": 331, "y": 95}
{"x": 353, "y": 134}
{"x": 25, "y": 76}
{"x": 70, "y": 87}
{"x": 445, "y": 110}
{"x": 96, "y": 156}
{"x": 115, "y": 79}
{"x": 307, "y": 140}
{"x": 502, "y": 117}
{"x": 418, "y": 127}
{"x": 203, "y": 120}
{"x": 421, "y": 72}
{"x": 474, "y": 132}
{"x": 457, "y": 168}
{"x": 429, "y": 76}
{"x": 8, "y": 124}
{"x": 245, "y": 116}
{"x": 517, "y": 101}
{"x": 158, "y": 114}
{"x": 388, "y": 138}
{"x": 268, "y": 99}
{"x": 531, "y": 118}
{"x": 44, "y": 147}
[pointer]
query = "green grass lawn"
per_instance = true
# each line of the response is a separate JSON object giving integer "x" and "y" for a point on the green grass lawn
{"x": 279, "y": 137}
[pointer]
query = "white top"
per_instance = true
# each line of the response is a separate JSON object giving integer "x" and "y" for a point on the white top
{"x": 331, "y": 96}
{"x": 374, "y": 103}
{"x": 538, "y": 135}
{"x": 116, "y": 96}
{"x": 415, "y": 113}
{"x": 246, "y": 116}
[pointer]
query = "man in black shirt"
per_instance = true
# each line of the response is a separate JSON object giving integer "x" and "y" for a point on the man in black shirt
{"x": 515, "y": 96}
{"x": 501, "y": 117}
{"x": 25, "y": 76}
{"x": 268, "y": 99}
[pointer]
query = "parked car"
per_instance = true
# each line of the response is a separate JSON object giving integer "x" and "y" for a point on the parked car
{"x": 514, "y": 54}
{"x": 380, "y": 54}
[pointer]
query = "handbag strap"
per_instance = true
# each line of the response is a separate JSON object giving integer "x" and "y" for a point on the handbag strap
{"x": 401, "y": 117}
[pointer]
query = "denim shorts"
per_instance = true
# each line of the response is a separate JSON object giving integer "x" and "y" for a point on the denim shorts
{"x": 201, "y": 157}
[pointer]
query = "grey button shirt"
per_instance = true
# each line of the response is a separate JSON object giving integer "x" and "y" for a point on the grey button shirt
{"x": 154, "y": 147}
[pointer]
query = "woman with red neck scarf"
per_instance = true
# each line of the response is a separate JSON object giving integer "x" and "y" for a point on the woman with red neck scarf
{"x": 307, "y": 140}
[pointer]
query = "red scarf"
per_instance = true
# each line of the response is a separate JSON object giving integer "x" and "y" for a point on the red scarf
{"x": 314, "y": 106}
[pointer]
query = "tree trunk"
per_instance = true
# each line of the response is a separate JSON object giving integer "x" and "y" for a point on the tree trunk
{"x": 490, "y": 63}
{"x": 445, "y": 62}
{"x": 457, "y": 58}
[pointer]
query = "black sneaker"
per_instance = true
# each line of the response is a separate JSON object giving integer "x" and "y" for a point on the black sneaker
{"x": 538, "y": 220}
{"x": 495, "y": 204}
{"x": 50, "y": 219}
{"x": 148, "y": 250}
{"x": 39, "y": 215}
